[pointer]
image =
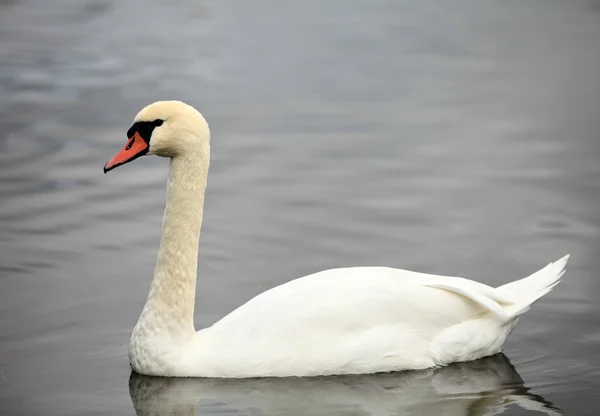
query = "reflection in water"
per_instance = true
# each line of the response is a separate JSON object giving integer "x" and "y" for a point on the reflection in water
{"x": 483, "y": 387}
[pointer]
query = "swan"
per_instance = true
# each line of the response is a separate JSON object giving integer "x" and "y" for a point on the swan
{"x": 353, "y": 320}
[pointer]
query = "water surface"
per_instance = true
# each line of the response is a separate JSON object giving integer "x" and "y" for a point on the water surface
{"x": 459, "y": 138}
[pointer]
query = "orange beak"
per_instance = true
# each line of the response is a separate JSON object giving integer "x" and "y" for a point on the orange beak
{"x": 135, "y": 147}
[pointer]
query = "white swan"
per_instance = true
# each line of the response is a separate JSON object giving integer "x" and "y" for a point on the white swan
{"x": 340, "y": 321}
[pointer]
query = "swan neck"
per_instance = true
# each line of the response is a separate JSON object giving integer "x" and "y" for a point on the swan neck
{"x": 170, "y": 305}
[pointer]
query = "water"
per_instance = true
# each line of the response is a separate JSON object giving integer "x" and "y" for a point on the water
{"x": 455, "y": 137}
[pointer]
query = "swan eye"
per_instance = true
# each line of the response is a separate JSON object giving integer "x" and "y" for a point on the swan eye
{"x": 158, "y": 123}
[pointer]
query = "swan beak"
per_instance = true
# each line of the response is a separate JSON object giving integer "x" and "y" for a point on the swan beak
{"x": 135, "y": 147}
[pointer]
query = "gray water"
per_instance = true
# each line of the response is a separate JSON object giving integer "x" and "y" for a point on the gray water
{"x": 453, "y": 137}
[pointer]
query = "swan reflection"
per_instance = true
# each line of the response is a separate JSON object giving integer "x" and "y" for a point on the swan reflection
{"x": 483, "y": 387}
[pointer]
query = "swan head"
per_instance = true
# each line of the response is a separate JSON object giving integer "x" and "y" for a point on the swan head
{"x": 164, "y": 128}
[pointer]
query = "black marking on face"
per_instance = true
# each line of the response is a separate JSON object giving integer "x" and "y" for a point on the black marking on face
{"x": 145, "y": 129}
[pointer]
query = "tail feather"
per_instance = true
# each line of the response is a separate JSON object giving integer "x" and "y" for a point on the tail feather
{"x": 525, "y": 292}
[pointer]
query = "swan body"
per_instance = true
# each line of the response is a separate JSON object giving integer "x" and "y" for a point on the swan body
{"x": 352, "y": 320}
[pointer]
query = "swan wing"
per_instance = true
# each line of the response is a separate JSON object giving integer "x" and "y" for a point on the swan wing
{"x": 361, "y": 297}
{"x": 344, "y": 320}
